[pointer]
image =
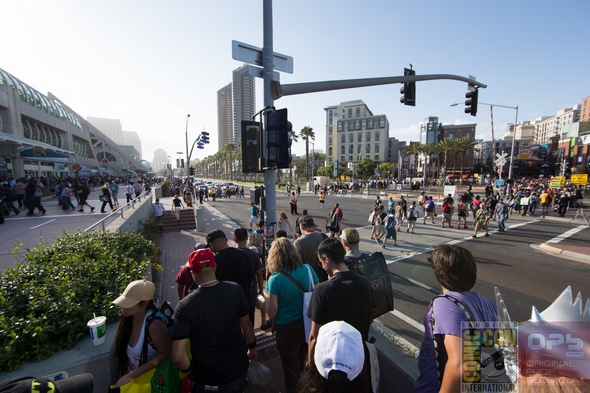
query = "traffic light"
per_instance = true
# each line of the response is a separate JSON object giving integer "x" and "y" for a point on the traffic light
{"x": 278, "y": 141}
{"x": 178, "y": 163}
{"x": 471, "y": 102}
{"x": 182, "y": 162}
{"x": 205, "y": 136}
{"x": 408, "y": 91}
{"x": 200, "y": 144}
{"x": 251, "y": 147}
{"x": 315, "y": 171}
{"x": 191, "y": 171}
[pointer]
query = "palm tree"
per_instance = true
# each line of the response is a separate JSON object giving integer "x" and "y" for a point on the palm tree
{"x": 414, "y": 149}
{"x": 429, "y": 149}
{"x": 446, "y": 146}
{"x": 229, "y": 148}
{"x": 293, "y": 136}
{"x": 306, "y": 134}
{"x": 463, "y": 146}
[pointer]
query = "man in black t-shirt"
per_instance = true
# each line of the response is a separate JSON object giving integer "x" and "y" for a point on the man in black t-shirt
{"x": 214, "y": 317}
{"x": 307, "y": 246}
{"x": 346, "y": 296}
{"x": 232, "y": 263}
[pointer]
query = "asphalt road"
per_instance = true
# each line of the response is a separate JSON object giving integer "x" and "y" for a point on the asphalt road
{"x": 511, "y": 261}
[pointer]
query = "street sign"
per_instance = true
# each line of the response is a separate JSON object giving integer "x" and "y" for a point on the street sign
{"x": 77, "y": 167}
{"x": 557, "y": 181}
{"x": 253, "y": 55}
{"x": 579, "y": 180}
{"x": 501, "y": 160}
{"x": 499, "y": 183}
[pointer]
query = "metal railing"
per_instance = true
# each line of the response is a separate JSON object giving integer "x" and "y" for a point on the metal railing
{"x": 118, "y": 213}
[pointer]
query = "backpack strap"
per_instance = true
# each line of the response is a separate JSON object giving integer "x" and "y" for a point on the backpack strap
{"x": 299, "y": 286}
{"x": 146, "y": 334}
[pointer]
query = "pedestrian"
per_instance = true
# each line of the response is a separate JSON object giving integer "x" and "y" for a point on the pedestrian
{"x": 563, "y": 203}
{"x": 533, "y": 203}
{"x": 462, "y": 212}
{"x": 254, "y": 212}
{"x": 129, "y": 192}
{"x": 321, "y": 199}
{"x": 177, "y": 206}
{"x": 346, "y": 296}
{"x": 66, "y": 197}
{"x": 241, "y": 240}
{"x": 33, "y": 198}
{"x": 429, "y": 210}
{"x": 83, "y": 192}
{"x": 482, "y": 216}
{"x": 307, "y": 245}
{"x": 201, "y": 195}
{"x": 333, "y": 222}
{"x": 19, "y": 189}
{"x": 446, "y": 210}
{"x": 215, "y": 320}
{"x": 158, "y": 210}
{"x": 140, "y": 327}
{"x": 285, "y": 303}
{"x": 441, "y": 351}
{"x": 105, "y": 197}
{"x": 390, "y": 232}
{"x": 501, "y": 214}
{"x": 137, "y": 190}
{"x": 372, "y": 220}
{"x": 284, "y": 222}
{"x": 380, "y": 225}
{"x": 298, "y": 190}
{"x": 184, "y": 279}
{"x": 115, "y": 192}
{"x": 413, "y": 212}
{"x": 293, "y": 203}
{"x": 297, "y": 233}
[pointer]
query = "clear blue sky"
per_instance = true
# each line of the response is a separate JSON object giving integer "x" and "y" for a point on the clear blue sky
{"x": 149, "y": 63}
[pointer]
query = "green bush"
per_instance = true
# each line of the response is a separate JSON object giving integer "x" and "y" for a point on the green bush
{"x": 46, "y": 302}
{"x": 165, "y": 187}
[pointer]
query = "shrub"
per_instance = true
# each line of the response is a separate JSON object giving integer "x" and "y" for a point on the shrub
{"x": 165, "y": 187}
{"x": 46, "y": 302}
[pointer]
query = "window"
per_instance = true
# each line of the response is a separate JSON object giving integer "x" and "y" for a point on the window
{"x": 370, "y": 124}
{"x": 359, "y": 137}
{"x": 350, "y": 158}
{"x": 330, "y": 152}
{"x": 339, "y": 126}
{"x": 330, "y": 117}
{"x": 330, "y": 141}
{"x": 345, "y": 126}
{"x": 342, "y": 149}
{"x": 376, "y": 148}
{"x": 368, "y": 149}
{"x": 376, "y": 136}
{"x": 351, "y": 137}
{"x": 358, "y": 150}
{"x": 350, "y": 149}
{"x": 376, "y": 157}
{"x": 368, "y": 137}
{"x": 364, "y": 124}
{"x": 343, "y": 138}
{"x": 382, "y": 122}
{"x": 330, "y": 130}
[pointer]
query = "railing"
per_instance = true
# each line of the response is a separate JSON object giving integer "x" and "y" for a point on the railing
{"x": 119, "y": 213}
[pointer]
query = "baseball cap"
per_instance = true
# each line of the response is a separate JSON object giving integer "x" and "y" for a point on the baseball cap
{"x": 350, "y": 235}
{"x": 136, "y": 291}
{"x": 201, "y": 260}
{"x": 339, "y": 346}
{"x": 214, "y": 235}
{"x": 200, "y": 246}
{"x": 83, "y": 383}
{"x": 307, "y": 222}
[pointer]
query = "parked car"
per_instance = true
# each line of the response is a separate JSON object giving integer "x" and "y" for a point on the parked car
{"x": 232, "y": 187}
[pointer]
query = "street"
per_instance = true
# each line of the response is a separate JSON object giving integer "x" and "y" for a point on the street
{"x": 511, "y": 261}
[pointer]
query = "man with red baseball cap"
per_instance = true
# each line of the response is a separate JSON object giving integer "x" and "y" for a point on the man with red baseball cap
{"x": 213, "y": 317}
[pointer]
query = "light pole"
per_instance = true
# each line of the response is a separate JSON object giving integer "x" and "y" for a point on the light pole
{"x": 186, "y": 137}
{"x": 513, "y": 136}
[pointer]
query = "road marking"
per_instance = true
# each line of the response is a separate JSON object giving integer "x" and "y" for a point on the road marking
{"x": 567, "y": 234}
{"x": 40, "y": 225}
{"x": 415, "y": 324}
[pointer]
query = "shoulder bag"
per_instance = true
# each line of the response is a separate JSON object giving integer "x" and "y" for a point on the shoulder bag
{"x": 306, "y": 299}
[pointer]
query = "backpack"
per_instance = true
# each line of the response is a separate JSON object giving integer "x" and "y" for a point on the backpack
{"x": 258, "y": 241}
{"x": 490, "y": 359}
{"x": 333, "y": 221}
{"x": 381, "y": 219}
{"x": 390, "y": 222}
{"x": 256, "y": 211}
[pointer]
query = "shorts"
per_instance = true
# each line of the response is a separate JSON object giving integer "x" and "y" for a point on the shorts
{"x": 176, "y": 208}
{"x": 446, "y": 216}
{"x": 462, "y": 213}
{"x": 253, "y": 219}
{"x": 481, "y": 225}
{"x": 429, "y": 214}
{"x": 391, "y": 233}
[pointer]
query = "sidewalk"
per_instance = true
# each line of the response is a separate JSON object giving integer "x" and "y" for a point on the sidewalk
{"x": 176, "y": 246}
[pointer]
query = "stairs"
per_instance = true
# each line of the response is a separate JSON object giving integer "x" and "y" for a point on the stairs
{"x": 187, "y": 221}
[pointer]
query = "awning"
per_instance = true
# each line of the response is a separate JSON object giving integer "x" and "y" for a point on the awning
{"x": 465, "y": 176}
{"x": 4, "y": 137}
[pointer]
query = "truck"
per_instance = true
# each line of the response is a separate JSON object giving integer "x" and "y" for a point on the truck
{"x": 321, "y": 180}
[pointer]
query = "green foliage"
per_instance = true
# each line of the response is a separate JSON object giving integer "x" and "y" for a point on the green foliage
{"x": 46, "y": 301}
{"x": 166, "y": 189}
{"x": 365, "y": 168}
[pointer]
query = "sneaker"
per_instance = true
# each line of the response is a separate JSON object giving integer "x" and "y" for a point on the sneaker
{"x": 486, "y": 235}
{"x": 408, "y": 230}
{"x": 113, "y": 210}
{"x": 383, "y": 246}
{"x": 377, "y": 240}
{"x": 91, "y": 209}
{"x": 474, "y": 236}
{"x": 81, "y": 211}
{"x": 395, "y": 245}
{"x": 458, "y": 226}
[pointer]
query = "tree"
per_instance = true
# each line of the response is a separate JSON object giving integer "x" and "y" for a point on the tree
{"x": 446, "y": 145}
{"x": 428, "y": 149}
{"x": 464, "y": 145}
{"x": 415, "y": 149}
{"x": 306, "y": 134}
{"x": 365, "y": 168}
{"x": 385, "y": 169}
{"x": 293, "y": 136}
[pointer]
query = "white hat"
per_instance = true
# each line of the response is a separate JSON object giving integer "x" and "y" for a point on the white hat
{"x": 339, "y": 347}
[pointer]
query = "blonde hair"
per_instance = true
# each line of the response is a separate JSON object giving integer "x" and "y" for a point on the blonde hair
{"x": 283, "y": 255}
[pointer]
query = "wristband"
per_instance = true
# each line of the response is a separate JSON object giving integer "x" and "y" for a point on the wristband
{"x": 252, "y": 345}
{"x": 188, "y": 369}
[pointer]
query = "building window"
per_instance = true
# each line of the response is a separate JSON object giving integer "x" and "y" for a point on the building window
{"x": 358, "y": 150}
{"x": 368, "y": 137}
{"x": 330, "y": 130}
{"x": 350, "y": 158}
{"x": 359, "y": 137}
{"x": 357, "y": 125}
{"x": 370, "y": 124}
{"x": 376, "y": 148}
{"x": 330, "y": 152}
{"x": 364, "y": 124}
{"x": 330, "y": 141}
{"x": 376, "y": 136}
{"x": 351, "y": 137}
{"x": 382, "y": 122}
{"x": 339, "y": 126}
{"x": 451, "y": 135}
{"x": 368, "y": 149}
{"x": 345, "y": 126}
{"x": 350, "y": 113}
{"x": 342, "y": 149}
{"x": 343, "y": 138}
{"x": 330, "y": 117}
{"x": 358, "y": 112}
{"x": 350, "y": 149}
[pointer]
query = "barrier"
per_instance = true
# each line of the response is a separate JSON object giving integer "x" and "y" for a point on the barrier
{"x": 366, "y": 193}
{"x": 349, "y": 193}
{"x": 339, "y": 193}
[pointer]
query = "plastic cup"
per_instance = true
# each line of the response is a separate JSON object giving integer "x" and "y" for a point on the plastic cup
{"x": 97, "y": 328}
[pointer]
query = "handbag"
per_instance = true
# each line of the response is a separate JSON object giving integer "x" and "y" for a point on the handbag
{"x": 38, "y": 193}
{"x": 306, "y": 299}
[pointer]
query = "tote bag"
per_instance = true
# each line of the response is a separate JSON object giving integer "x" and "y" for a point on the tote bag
{"x": 306, "y": 300}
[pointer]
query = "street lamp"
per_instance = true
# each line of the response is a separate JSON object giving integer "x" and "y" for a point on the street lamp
{"x": 513, "y": 136}
{"x": 186, "y": 137}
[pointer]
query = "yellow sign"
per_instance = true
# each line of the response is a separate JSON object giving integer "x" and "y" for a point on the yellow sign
{"x": 580, "y": 179}
{"x": 557, "y": 181}
{"x": 347, "y": 178}
{"x": 524, "y": 156}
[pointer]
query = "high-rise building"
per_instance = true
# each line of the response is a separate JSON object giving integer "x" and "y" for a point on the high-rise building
{"x": 547, "y": 128}
{"x": 131, "y": 138}
{"x": 354, "y": 133}
{"x": 430, "y": 131}
{"x": 235, "y": 102}
{"x": 160, "y": 161}
{"x": 110, "y": 127}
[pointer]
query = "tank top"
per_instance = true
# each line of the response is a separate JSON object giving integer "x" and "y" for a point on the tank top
{"x": 134, "y": 353}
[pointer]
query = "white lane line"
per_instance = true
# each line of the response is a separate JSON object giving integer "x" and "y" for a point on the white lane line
{"x": 567, "y": 234}
{"x": 415, "y": 324}
{"x": 45, "y": 223}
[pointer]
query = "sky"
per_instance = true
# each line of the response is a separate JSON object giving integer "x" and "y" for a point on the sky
{"x": 150, "y": 63}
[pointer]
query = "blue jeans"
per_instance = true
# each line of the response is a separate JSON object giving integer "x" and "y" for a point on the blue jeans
{"x": 238, "y": 385}
{"x": 501, "y": 222}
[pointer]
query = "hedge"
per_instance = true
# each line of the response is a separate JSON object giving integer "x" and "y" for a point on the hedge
{"x": 46, "y": 301}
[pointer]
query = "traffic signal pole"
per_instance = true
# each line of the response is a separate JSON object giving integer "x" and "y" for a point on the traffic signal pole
{"x": 267, "y": 76}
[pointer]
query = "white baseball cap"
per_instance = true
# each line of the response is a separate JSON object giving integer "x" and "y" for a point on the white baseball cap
{"x": 339, "y": 347}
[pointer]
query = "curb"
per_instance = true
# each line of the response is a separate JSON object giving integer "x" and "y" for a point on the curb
{"x": 570, "y": 254}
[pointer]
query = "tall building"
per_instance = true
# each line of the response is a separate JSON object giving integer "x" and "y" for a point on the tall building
{"x": 354, "y": 133}
{"x": 110, "y": 127}
{"x": 160, "y": 161}
{"x": 235, "y": 102}
{"x": 131, "y": 138}
{"x": 585, "y": 110}
{"x": 548, "y": 127}
{"x": 430, "y": 131}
